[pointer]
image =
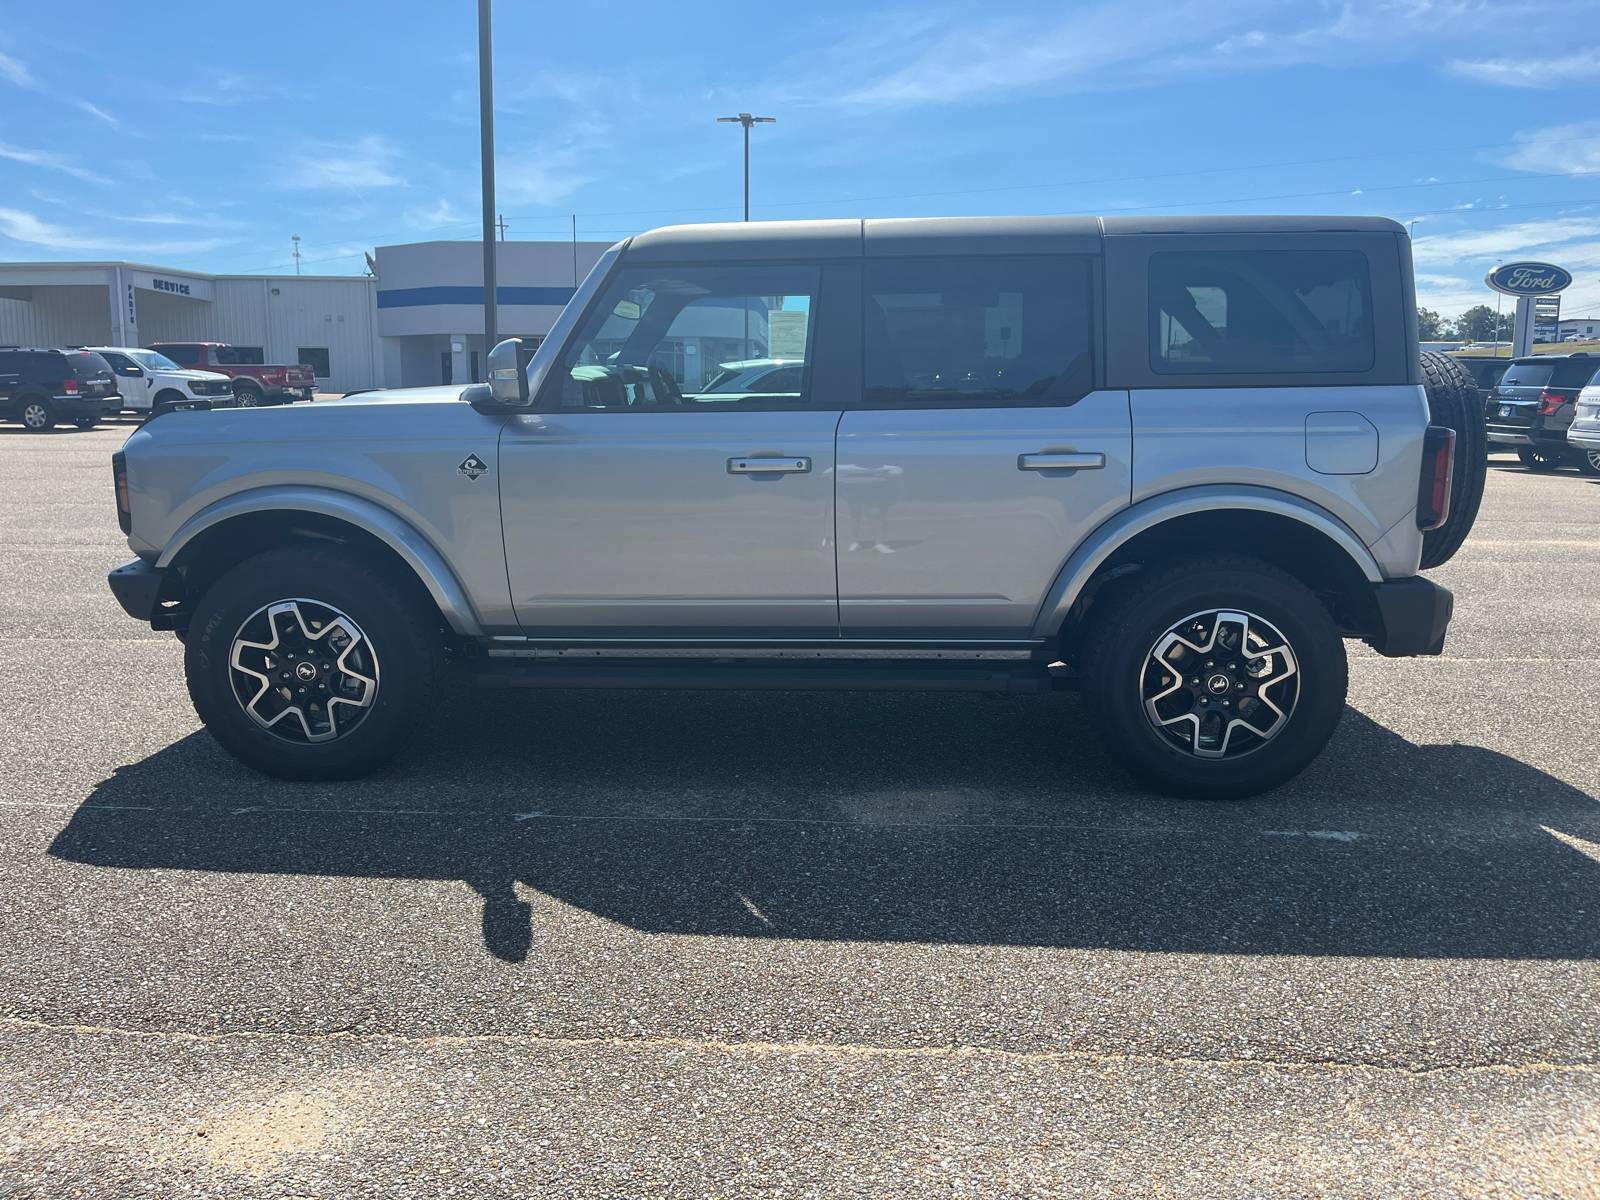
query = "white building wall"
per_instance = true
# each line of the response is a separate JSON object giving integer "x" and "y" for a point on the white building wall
{"x": 71, "y": 315}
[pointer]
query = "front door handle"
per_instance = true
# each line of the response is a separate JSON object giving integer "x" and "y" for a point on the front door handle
{"x": 768, "y": 466}
{"x": 1053, "y": 460}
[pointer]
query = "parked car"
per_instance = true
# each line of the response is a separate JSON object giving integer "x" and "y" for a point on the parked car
{"x": 1584, "y": 433}
{"x": 1532, "y": 406}
{"x": 757, "y": 377}
{"x": 42, "y": 387}
{"x": 254, "y": 382}
{"x": 1485, "y": 372}
{"x": 147, "y": 379}
{"x": 1168, "y": 462}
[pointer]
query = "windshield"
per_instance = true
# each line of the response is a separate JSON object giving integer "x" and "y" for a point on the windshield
{"x": 1527, "y": 375}
{"x": 151, "y": 361}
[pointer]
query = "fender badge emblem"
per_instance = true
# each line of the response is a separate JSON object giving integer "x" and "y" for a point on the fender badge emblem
{"x": 473, "y": 466}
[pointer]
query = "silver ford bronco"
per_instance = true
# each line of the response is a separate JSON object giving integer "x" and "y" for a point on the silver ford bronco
{"x": 1166, "y": 462}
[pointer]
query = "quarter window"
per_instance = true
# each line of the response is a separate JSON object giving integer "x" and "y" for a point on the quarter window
{"x": 677, "y": 338}
{"x": 1260, "y": 312}
{"x": 967, "y": 332}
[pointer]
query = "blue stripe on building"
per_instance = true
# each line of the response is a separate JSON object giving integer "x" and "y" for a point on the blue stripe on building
{"x": 413, "y": 297}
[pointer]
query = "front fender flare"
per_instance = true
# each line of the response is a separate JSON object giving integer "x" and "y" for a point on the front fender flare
{"x": 393, "y": 531}
{"x": 1115, "y": 532}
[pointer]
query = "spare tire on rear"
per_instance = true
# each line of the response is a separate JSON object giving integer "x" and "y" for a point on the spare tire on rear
{"x": 1453, "y": 401}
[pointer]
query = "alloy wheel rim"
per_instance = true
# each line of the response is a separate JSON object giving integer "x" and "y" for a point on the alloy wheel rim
{"x": 1594, "y": 460}
{"x": 33, "y": 416}
{"x": 246, "y": 400}
{"x": 1220, "y": 684}
{"x": 303, "y": 671}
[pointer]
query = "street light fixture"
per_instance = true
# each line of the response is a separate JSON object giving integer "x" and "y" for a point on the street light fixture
{"x": 747, "y": 120}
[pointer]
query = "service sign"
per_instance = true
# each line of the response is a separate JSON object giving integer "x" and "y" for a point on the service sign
{"x": 1529, "y": 279}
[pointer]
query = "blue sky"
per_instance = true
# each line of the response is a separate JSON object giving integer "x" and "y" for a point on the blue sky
{"x": 204, "y": 135}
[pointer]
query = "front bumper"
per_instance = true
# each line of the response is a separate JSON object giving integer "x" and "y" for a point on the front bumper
{"x": 136, "y": 585}
{"x": 1412, "y": 617}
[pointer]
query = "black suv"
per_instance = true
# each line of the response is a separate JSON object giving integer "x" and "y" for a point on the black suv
{"x": 1532, "y": 407}
{"x": 1485, "y": 372}
{"x": 41, "y": 387}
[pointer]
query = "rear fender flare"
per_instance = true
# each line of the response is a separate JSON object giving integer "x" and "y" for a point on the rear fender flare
{"x": 1117, "y": 531}
{"x": 395, "y": 532}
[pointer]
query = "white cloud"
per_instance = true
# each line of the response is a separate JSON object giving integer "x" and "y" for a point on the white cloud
{"x": 1560, "y": 150}
{"x": 1532, "y": 71}
{"x": 96, "y": 112}
{"x": 362, "y": 164}
{"x": 441, "y": 215}
{"x": 1521, "y": 240}
{"x": 50, "y": 160}
{"x": 25, "y": 227}
{"x": 552, "y": 168}
{"x": 902, "y": 60}
{"x": 15, "y": 71}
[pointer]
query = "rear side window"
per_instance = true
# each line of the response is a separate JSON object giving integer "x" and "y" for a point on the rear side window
{"x": 1527, "y": 375}
{"x": 184, "y": 356}
{"x": 238, "y": 356}
{"x": 968, "y": 332}
{"x": 1260, "y": 312}
{"x": 1572, "y": 374}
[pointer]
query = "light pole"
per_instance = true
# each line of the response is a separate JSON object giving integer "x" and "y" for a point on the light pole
{"x": 746, "y": 120}
{"x": 491, "y": 333}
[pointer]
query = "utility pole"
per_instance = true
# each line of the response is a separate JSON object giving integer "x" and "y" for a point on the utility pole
{"x": 747, "y": 120}
{"x": 295, "y": 238}
{"x": 502, "y": 225}
{"x": 491, "y": 282}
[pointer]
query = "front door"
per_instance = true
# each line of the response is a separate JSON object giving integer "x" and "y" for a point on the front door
{"x": 670, "y": 484}
{"x": 132, "y": 380}
{"x": 982, "y": 453}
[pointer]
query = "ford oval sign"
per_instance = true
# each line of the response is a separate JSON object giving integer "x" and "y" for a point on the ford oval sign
{"x": 1529, "y": 279}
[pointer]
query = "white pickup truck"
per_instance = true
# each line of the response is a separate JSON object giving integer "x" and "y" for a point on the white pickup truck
{"x": 147, "y": 379}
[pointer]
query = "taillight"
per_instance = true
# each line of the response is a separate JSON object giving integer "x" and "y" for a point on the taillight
{"x": 69, "y": 387}
{"x": 1549, "y": 402}
{"x": 119, "y": 477}
{"x": 1438, "y": 469}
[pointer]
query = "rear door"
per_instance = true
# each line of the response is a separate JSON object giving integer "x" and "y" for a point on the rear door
{"x": 981, "y": 452}
{"x": 639, "y": 503}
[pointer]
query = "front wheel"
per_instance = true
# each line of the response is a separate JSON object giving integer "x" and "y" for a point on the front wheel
{"x": 305, "y": 664}
{"x": 1538, "y": 459}
{"x": 1214, "y": 677}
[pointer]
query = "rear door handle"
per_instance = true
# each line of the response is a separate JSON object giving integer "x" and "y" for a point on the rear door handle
{"x": 1057, "y": 461}
{"x": 768, "y": 466}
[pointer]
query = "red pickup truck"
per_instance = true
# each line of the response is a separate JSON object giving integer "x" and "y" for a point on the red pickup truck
{"x": 254, "y": 383}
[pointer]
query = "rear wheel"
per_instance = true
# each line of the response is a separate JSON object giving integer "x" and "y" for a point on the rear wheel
{"x": 306, "y": 665}
{"x": 37, "y": 415}
{"x": 1453, "y": 401}
{"x": 1536, "y": 458}
{"x": 1587, "y": 461}
{"x": 247, "y": 397}
{"x": 1214, "y": 677}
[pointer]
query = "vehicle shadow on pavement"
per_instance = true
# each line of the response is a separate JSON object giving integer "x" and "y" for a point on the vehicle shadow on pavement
{"x": 895, "y": 818}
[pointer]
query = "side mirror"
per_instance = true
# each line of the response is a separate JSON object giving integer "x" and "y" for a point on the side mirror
{"x": 508, "y": 381}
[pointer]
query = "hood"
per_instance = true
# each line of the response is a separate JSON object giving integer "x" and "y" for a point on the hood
{"x": 191, "y": 373}
{"x": 447, "y": 391}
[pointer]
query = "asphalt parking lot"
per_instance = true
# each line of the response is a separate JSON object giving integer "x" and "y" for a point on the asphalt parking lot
{"x": 723, "y": 944}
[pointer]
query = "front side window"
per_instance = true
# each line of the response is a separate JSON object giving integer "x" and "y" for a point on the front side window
{"x": 1260, "y": 312}
{"x": 673, "y": 338}
{"x": 968, "y": 332}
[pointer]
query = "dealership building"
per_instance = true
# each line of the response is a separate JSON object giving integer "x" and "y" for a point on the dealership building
{"x": 417, "y": 320}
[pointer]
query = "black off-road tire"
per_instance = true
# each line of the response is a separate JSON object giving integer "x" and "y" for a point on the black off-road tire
{"x": 1128, "y": 623}
{"x": 400, "y": 627}
{"x": 1453, "y": 400}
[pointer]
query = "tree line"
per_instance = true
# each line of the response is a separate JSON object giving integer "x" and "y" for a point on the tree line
{"x": 1478, "y": 324}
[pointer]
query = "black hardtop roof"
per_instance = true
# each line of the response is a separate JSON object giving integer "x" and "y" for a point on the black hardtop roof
{"x": 888, "y": 237}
